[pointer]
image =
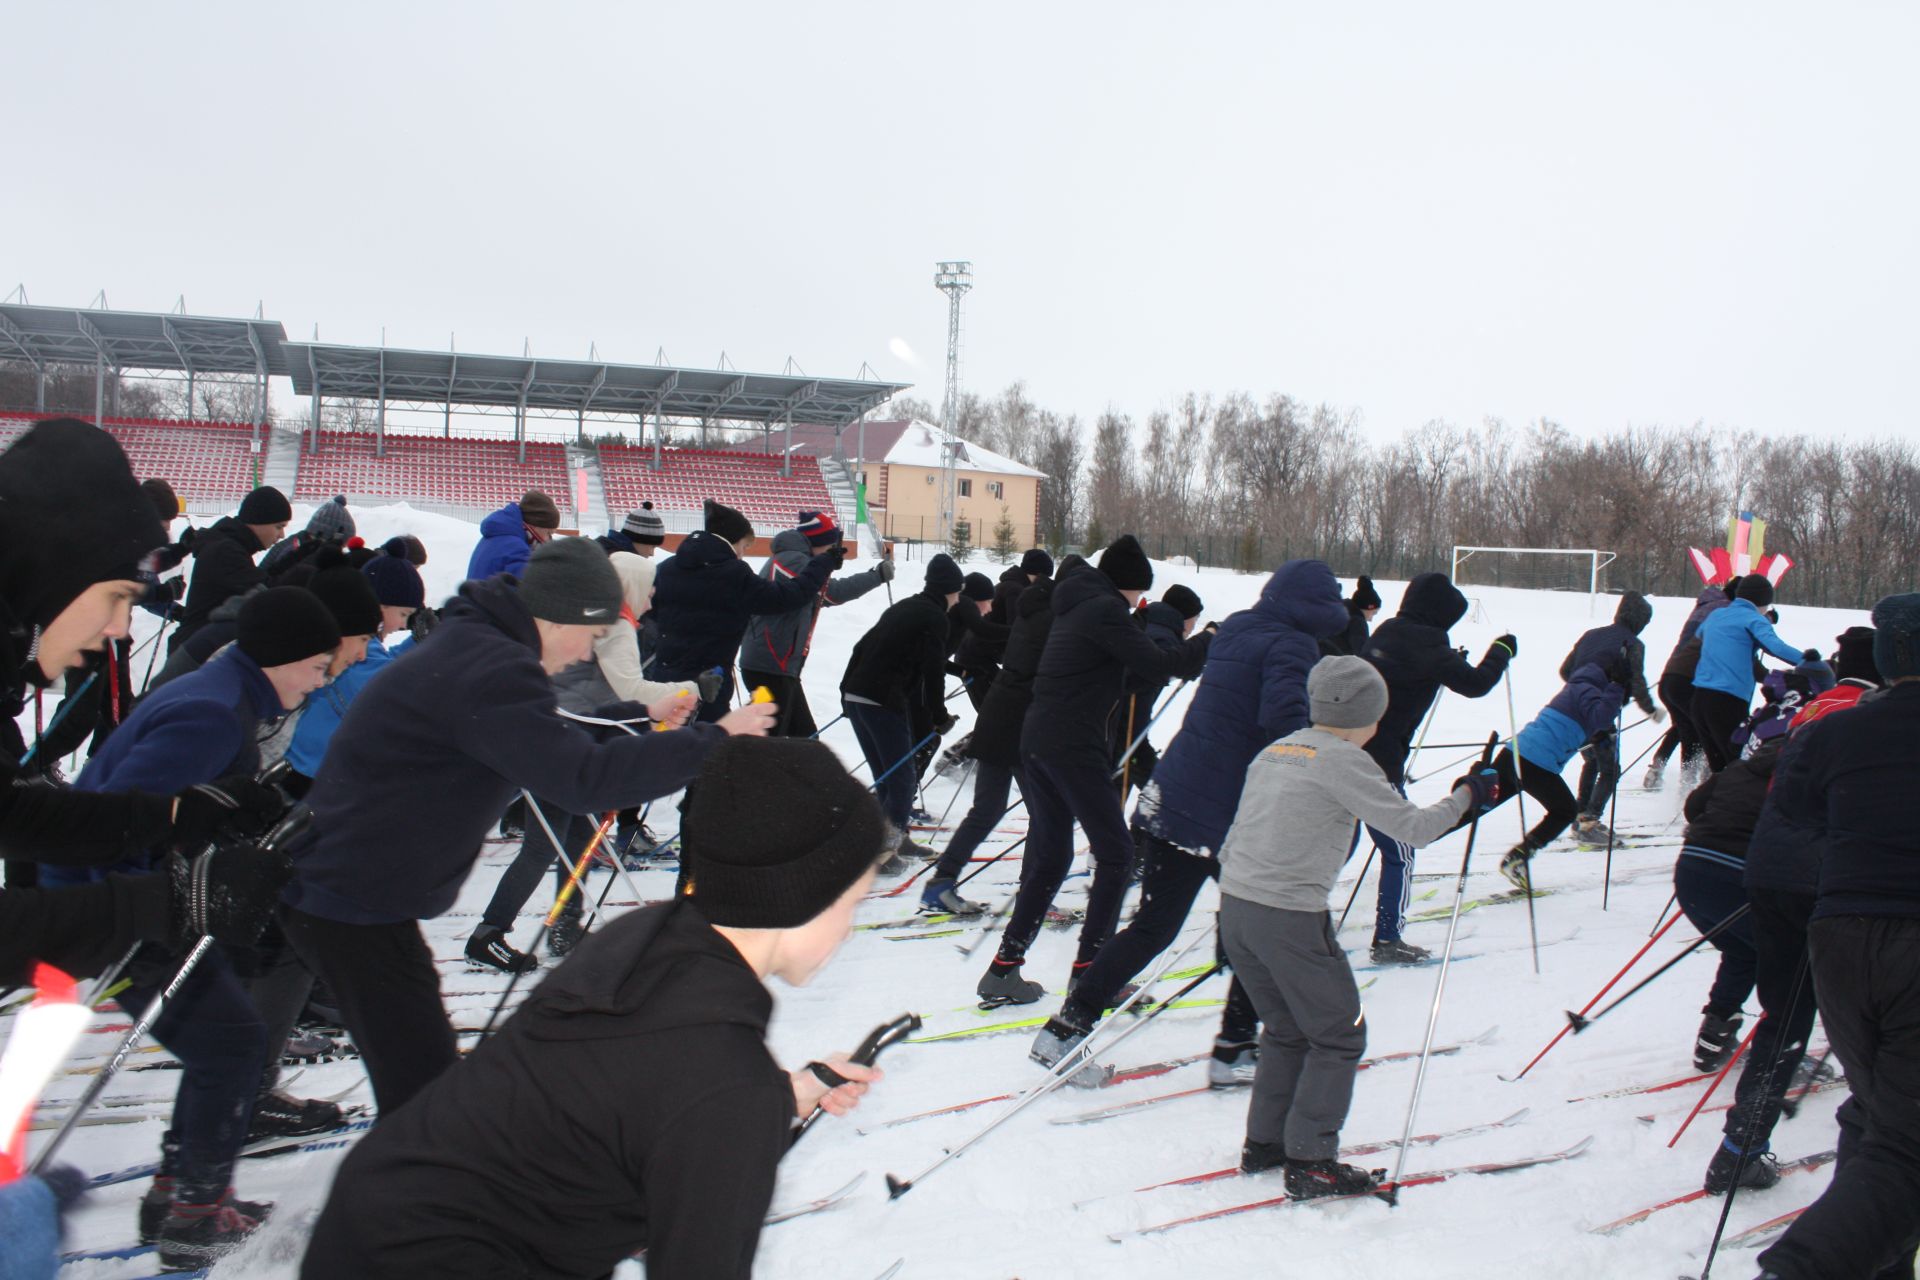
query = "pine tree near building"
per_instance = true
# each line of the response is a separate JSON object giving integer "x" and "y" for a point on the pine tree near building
{"x": 1005, "y": 548}
{"x": 960, "y": 541}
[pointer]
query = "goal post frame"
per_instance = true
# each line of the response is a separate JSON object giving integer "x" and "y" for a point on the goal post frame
{"x": 1595, "y": 563}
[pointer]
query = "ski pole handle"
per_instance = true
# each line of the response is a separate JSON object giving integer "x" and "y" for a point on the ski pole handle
{"x": 880, "y": 1038}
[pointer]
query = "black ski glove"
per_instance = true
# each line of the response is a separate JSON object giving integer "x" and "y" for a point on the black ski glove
{"x": 227, "y": 892}
{"x": 1484, "y": 785}
{"x": 1509, "y": 642}
{"x": 943, "y": 724}
{"x": 708, "y": 683}
{"x": 233, "y": 806}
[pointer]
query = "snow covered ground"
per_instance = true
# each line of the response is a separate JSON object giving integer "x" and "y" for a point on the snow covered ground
{"x": 1008, "y": 1208}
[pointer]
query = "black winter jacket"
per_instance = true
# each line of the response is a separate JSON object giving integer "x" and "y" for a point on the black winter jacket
{"x": 1161, "y": 623}
{"x": 223, "y": 568}
{"x": 1855, "y": 786}
{"x": 1412, "y": 653}
{"x": 435, "y": 746}
{"x": 630, "y": 1103}
{"x": 1722, "y": 811}
{"x": 1351, "y": 640}
{"x": 996, "y": 732}
{"x": 965, "y": 622}
{"x": 1092, "y": 647}
{"x": 703, "y": 597}
{"x": 901, "y": 663}
{"x": 984, "y": 649}
{"x": 1602, "y": 645}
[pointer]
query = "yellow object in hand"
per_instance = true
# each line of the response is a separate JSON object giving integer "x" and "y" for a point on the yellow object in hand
{"x": 661, "y": 726}
{"x": 762, "y": 694}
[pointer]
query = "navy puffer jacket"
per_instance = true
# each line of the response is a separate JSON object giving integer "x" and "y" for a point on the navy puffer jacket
{"x": 1253, "y": 691}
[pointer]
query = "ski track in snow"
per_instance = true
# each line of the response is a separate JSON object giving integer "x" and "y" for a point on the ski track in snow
{"x": 1006, "y": 1208}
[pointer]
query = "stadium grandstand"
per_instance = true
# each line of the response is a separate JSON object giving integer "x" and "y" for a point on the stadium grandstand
{"x": 570, "y": 422}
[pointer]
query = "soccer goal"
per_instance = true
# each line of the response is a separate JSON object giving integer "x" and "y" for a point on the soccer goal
{"x": 1575, "y": 569}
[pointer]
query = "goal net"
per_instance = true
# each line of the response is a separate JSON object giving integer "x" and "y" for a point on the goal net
{"x": 1580, "y": 570}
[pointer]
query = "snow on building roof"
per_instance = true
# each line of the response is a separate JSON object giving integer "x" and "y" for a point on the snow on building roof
{"x": 921, "y": 445}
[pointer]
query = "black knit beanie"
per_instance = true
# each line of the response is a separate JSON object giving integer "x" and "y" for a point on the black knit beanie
{"x": 570, "y": 581}
{"x": 350, "y": 598}
{"x": 1126, "y": 565}
{"x": 406, "y": 547}
{"x": 265, "y": 505}
{"x": 1756, "y": 588}
{"x": 723, "y": 521}
{"x": 1896, "y": 636}
{"x": 1038, "y": 563}
{"x": 775, "y": 831}
{"x": 285, "y": 624}
{"x": 944, "y": 576}
{"x": 1364, "y": 596}
{"x": 1182, "y": 597}
{"x": 1853, "y": 660}
{"x": 977, "y": 586}
{"x": 396, "y": 582}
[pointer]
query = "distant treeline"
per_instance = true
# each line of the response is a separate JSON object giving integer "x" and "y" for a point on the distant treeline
{"x": 1244, "y": 483}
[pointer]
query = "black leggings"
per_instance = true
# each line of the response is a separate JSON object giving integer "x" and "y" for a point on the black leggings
{"x": 1550, "y": 789}
{"x": 1676, "y": 695}
{"x": 1716, "y": 715}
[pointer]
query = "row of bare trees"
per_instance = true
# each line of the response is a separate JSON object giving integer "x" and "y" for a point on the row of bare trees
{"x": 1248, "y": 483}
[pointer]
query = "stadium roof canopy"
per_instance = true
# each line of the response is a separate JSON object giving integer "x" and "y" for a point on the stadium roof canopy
{"x": 526, "y": 382}
{"x": 123, "y": 340}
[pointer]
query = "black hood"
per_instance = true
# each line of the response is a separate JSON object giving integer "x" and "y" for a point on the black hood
{"x": 702, "y": 550}
{"x": 71, "y": 515}
{"x": 662, "y": 968}
{"x": 1079, "y": 585}
{"x": 496, "y": 602}
{"x": 1161, "y": 614}
{"x": 1633, "y": 612}
{"x": 1432, "y": 599}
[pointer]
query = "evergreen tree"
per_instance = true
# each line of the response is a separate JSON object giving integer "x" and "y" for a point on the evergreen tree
{"x": 960, "y": 542}
{"x": 1004, "y": 546}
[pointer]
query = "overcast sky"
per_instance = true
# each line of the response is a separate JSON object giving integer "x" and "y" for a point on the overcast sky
{"x": 1606, "y": 215}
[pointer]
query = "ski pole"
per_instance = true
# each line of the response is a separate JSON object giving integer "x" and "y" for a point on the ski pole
{"x": 619, "y": 867}
{"x": 287, "y": 828}
{"x": 1598, "y": 996}
{"x": 1065, "y": 1069}
{"x": 1714, "y": 1084}
{"x": 1440, "y": 985}
{"x": 1362, "y": 879}
{"x": 880, "y": 1038}
{"x": 146, "y": 681}
{"x": 828, "y": 725}
{"x": 1581, "y": 1022}
{"x": 1152, "y": 720}
{"x": 575, "y": 873}
{"x": 1419, "y": 742}
{"x": 1513, "y": 735}
{"x": 965, "y": 773}
{"x": 994, "y": 921}
{"x": 1133, "y": 704}
{"x": 990, "y": 861}
{"x": 912, "y": 751}
{"x": 66, "y": 704}
{"x": 1613, "y": 817}
{"x": 1658, "y": 928}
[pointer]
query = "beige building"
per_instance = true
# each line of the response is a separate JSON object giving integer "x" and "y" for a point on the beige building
{"x": 903, "y": 485}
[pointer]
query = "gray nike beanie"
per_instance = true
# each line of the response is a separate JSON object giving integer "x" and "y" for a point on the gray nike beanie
{"x": 570, "y": 581}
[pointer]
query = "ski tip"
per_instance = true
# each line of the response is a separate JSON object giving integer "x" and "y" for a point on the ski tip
{"x": 897, "y": 1187}
{"x": 1486, "y": 1037}
{"x": 1577, "y": 1022}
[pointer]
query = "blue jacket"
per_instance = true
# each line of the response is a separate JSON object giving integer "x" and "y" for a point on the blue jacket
{"x": 704, "y": 596}
{"x": 1253, "y": 691}
{"x": 503, "y": 546}
{"x": 1585, "y": 705}
{"x": 326, "y": 708}
{"x": 203, "y": 726}
{"x": 428, "y": 757}
{"x": 1728, "y": 639}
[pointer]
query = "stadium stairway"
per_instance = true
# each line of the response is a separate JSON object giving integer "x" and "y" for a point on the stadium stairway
{"x": 590, "y": 497}
{"x": 282, "y": 465}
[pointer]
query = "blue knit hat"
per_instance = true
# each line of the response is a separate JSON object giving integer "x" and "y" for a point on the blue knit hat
{"x": 396, "y": 582}
{"x": 1896, "y": 636}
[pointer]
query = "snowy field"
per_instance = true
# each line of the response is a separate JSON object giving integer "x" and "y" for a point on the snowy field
{"x": 1018, "y": 1205}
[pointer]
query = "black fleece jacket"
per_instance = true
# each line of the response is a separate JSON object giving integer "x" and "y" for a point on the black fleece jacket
{"x": 223, "y": 568}
{"x": 901, "y": 663}
{"x": 1413, "y": 653}
{"x": 629, "y": 1104}
{"x": 435, "y": 746}
{"x": 996, "y": 732}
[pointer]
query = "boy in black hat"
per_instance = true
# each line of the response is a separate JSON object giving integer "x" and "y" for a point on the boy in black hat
{"x": 631, "y": 1102}
{"x": 1362, "y": 605}
{"x": 223, "y": 555}
{"x": 1167, "y": 622}
{"x": 1066, "y": 754}
{"x": 894, "y": 690}
{"x": 426, "y": 759}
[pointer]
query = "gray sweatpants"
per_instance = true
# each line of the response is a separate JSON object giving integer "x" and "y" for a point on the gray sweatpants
{"x": 1312, "y": 1031}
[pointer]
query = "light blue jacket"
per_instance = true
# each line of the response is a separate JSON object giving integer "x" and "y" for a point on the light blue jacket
{"x": 1728, "y": 640}
{"x": 328, "y": 705}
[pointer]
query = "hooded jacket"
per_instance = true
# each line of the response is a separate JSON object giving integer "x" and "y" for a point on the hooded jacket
{"x": 1412, "y": 652}
{"x": 965, "y": 622}
{"x": 1586, "y": 705}
{"x": 779, "y": 642}
{"x": 1083, "y": 671}
{"x": 900, "y": 664}
{"x": 1729, "y": 639}
{"x": 1723, "y": 810}
{"x": 630, "y": 1103}
{"x": 1856, "y": 777}
{"x": 1602, "y": 645}
{"x": 1253, "y": 692}
{"x": 204, "y": 726}
{"x": 503, "y": 547}
{"x": 705, "y": 595}
{"x": 223, "y": 568}
{"x": 326, "y": 707}
{"x": 996, "y": 731}
{"x": 1709, "y": 601}
{"x": 429, "y": 754}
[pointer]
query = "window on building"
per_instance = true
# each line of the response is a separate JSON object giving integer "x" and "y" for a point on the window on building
{"x": 966, "y": 488}
{"x": 996, "y": 490}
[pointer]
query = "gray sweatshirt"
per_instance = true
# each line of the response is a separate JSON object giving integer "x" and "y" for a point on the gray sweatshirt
{"x": 1297, "y": 811}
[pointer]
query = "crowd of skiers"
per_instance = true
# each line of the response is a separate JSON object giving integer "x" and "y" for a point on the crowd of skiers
{"x": 409, "y": 733}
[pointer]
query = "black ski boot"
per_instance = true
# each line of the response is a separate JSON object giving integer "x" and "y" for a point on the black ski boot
{"x": 1061, "y": 1036}
{"x": 1259, "y": 1157}
{"x": 1517, "y": 866}
{"x": 1002, "y": 984}
{"x": 1308, "y": 1179}
{"x": 489, "y": 946}
{"x": 565, "y": 934}
{"x": 1760, "y": 1171}
{"x": 275, "y": 1115}
{"x": 1719, "y": 1037}
{"x": 195, "y": 1235}
{"x": 1233, "y": 1064}
{"x": 1398, "y": 952}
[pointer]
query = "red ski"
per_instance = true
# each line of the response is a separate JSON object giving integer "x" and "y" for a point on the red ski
{"x": 1802, "y": 1165}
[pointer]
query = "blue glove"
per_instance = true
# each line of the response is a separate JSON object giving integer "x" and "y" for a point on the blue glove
{"x": 1484, "y": 784}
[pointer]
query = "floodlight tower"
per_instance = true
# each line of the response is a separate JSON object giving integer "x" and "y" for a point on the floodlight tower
{"x": 952, "y": 279}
